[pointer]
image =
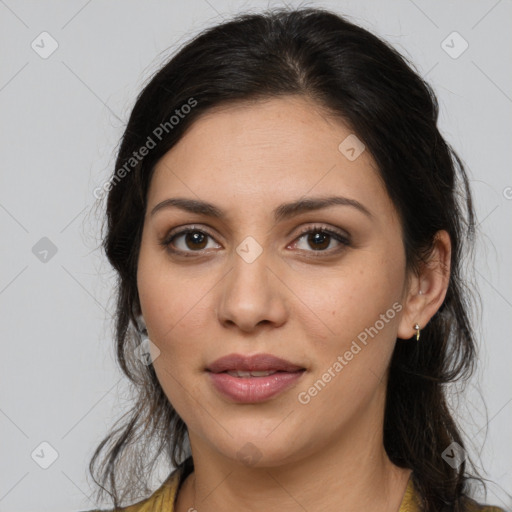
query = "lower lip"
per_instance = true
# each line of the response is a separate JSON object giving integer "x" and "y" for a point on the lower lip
{"x": 253, "y": 389}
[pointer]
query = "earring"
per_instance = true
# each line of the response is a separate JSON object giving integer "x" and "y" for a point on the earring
{"x": 417, "y": 329}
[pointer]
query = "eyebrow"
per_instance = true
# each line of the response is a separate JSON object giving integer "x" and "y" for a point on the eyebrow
{"x": 282, "y": 212}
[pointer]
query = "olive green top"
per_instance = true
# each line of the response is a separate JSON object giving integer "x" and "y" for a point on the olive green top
{"x": 164, "y": 498}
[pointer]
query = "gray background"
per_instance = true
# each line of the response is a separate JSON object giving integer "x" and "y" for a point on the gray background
{"x": 61, "y": 119}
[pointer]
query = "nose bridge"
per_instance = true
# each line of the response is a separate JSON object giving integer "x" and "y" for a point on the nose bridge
{"x": 251, "y": 293}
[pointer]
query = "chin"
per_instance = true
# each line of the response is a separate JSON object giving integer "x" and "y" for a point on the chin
{"x": 256, "y": 450}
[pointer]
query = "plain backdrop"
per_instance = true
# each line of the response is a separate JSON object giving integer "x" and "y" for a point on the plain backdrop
{"x": 70, "y": 72}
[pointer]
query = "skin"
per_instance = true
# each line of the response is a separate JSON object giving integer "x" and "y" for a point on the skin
{"x": 247, "y": 159}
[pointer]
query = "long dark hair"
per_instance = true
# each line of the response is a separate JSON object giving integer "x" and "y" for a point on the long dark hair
{"x": 365, "y": 82}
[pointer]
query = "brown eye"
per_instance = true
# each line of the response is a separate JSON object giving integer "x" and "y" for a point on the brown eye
{"x": 195, "y": 240}
{"x": 187, "y": 240}
{"x": 320, "y": 239}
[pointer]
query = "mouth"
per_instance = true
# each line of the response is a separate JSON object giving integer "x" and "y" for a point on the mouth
{"x": 253, "y": 379}
{"x": 258, "y": 365}
{"x": 241, "y": 373}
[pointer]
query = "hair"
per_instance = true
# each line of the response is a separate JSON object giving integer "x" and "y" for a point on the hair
{"x": 367, "y": 84}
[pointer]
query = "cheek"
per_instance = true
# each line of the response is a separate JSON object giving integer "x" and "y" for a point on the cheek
{"x": 177, "y": 311}
{"x": 164, "y": 295}
{"x": 175, "y": 317}
{"x": 351, "y": 298}
{"x": 350, "y": 365}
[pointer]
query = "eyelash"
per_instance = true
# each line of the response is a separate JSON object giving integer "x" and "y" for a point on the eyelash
{"x": 344, "y": 240}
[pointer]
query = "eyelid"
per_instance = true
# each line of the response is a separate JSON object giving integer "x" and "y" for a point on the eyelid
{"x": 183, "y": 230}
{"x": 326, "y": 229}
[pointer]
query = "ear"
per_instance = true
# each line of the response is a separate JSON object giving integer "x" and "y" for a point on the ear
{"x": 426, "y": 290}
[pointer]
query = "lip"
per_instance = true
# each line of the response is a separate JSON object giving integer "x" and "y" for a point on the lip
{"x": 256, "y": 362}
{"x": 253, "y": 389}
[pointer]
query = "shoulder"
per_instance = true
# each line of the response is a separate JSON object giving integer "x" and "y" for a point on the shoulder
{"x": 412, "y": 502}
{"x": 162, "y": 499}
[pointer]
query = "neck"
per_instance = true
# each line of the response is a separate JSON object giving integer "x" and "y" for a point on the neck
{"x": 352, "y": 474}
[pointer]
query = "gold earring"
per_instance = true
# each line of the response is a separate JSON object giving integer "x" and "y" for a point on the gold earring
{"x": 417, "y": 329}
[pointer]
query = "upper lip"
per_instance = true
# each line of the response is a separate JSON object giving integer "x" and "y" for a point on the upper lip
{"x": 256, "y": 362}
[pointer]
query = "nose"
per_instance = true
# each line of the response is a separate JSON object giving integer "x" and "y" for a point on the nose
{"x": 252, "y": 294}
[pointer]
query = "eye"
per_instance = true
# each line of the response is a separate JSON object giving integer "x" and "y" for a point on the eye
{"x": 187, "y": 240}
{"x": 320, "y": 238}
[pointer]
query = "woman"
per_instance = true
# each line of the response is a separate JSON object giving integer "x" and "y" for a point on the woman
{"x": 288, "y": 226}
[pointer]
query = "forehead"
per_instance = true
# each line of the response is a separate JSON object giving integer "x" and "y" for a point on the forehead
{"x": 266, "y": 151}
{"x": 288, "y": 127}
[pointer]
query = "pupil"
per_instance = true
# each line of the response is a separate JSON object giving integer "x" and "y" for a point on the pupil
{"x": 196, "y": 238}
{"x": 318, "y": 238}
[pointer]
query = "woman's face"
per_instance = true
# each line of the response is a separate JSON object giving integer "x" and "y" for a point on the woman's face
{"x": 266, "y": 270}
